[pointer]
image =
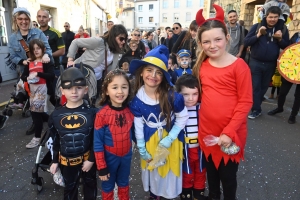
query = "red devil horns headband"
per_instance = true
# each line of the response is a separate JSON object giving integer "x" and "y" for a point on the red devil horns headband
{"x": 219, "y": 15}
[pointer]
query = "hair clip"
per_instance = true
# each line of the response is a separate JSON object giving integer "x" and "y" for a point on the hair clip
{"x": 219, "y": 15}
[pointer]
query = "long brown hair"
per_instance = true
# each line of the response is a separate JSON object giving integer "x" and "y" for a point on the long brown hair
{"x": 164, "y": 90}
{"x": 208, "y": 25}
{"x": 107, "y": 80}
{"x": 110, "y": 37}
{"x": 40, "y": 44}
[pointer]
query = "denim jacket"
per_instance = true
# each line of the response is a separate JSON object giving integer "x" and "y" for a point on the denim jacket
{"x": 16, "y": 50}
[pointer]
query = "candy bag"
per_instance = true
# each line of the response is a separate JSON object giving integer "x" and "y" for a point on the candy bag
{"x": 159, "y": 158}
{"x": 58, "y": 178}
{"x": 211, "y": 140}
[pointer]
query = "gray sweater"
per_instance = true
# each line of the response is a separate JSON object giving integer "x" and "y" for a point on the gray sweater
{"x": 94, "y": 54}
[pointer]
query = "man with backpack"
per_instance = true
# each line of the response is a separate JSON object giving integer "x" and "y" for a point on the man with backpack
{"x": 264, "y": 54}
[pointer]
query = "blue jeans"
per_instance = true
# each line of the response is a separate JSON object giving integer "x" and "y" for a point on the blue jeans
{"x": 262, "y": 73}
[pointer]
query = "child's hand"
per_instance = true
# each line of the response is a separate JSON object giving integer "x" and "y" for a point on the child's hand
{"x": 87, "y": 165}
{"x": 45, "y": 58}
{"x": 224, "y": 141}
{"x": 53, "y": 168}
{"x": 25, "y": 62}
{"x": 105, "y": 177}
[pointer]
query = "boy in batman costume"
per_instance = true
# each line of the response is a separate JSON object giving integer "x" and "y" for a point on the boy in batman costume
{"x": 71, "y": 126}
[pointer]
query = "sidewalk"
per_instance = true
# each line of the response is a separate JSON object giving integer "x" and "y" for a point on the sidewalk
{"x": 6, "y": 88}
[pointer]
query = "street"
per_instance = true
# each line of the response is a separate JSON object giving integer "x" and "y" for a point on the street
{"x": 270, "y": 170}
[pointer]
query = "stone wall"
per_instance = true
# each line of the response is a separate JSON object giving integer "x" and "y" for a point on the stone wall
{"x": 294, "y": 26}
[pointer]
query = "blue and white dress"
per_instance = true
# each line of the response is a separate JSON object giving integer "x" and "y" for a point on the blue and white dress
{"x": 150, "y": 125}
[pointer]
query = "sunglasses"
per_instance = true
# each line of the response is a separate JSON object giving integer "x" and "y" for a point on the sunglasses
{"x": 35, "y": 25}
{"x": 122, "y": 39}
{"x": 137, "y": 35}
{"x": 66, "y": 26}
{"x": 175, "y": 28}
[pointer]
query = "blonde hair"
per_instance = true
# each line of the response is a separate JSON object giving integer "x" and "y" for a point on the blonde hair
{"x": 15, "y": 27}
{"x": 201, "y": 56}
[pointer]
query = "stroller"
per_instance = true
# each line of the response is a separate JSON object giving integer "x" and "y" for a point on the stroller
{"x": 46, "y": 139}
{"x": 21, "y": 94}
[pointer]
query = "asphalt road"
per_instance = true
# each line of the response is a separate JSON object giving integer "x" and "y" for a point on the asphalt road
{"x": 270, "y": 170}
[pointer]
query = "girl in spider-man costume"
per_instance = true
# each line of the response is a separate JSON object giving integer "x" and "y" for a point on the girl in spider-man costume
{"x": 112, "y": 136}
{"x": 159, "y": 117}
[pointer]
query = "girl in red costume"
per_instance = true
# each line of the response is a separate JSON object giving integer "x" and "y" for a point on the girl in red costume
{"x": 112, "y": 135}
{"x": 226, "y": 100}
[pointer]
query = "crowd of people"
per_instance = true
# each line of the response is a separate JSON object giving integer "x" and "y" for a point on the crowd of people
{"x": 158, "y": 90}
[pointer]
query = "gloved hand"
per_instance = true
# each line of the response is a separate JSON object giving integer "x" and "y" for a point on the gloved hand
{"x": 168, "y": 140}
{"x": 142, "y": 150}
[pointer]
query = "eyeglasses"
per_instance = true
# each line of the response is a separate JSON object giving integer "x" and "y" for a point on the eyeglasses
{"x": 122, "y": 39}
{"x": 22, "y": 19}
{"x": 35, "y": 25}
{"x": 66, "y": 26}
{"x": 137, "y": 35}
{"x": 175, "y": 28}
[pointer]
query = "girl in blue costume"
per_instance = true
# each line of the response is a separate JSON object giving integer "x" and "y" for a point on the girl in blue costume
{"x": 159, "y": 117}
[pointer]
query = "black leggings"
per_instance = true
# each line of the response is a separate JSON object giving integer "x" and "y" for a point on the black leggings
{"x": 226, "y": 174}
{"x": 38, "y": 119}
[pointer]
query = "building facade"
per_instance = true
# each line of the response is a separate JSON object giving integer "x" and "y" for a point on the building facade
{"x": 127, "y": 19}
{"x": 147, "y": 14}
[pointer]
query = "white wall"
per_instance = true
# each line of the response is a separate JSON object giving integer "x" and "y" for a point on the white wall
{"x": 127, "y": 19}
{"x": 145, "y": 13}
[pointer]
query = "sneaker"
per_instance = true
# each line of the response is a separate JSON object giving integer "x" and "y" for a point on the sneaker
{"x": 275, "y": 111}
{"x": 254, "y": 114}
{"x": 31, "y": 130}
{"x": 3, "y": 120}
{"x": 14, "y": 105}
{"x": 292, "y": 120}
{"x": 33, "y": 143}
{"x": 20, "y": 106}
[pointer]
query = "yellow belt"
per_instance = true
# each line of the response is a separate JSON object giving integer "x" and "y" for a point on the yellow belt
{"x": 73, "y": 161}
{"x": 191, "y": 140}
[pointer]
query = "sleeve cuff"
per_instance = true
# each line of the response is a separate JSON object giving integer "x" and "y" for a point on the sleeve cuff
{"x": 229, "y": 132}
{"x": 21, "y": 62}
{"x": 103, "y": 172}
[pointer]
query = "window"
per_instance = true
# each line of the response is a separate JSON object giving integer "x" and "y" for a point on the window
{"x": 165, "y": 3}
{"x": 150, "y": 7}
{"x": 188, "y": 3}
{"x": 176, "y": 17}
{"x": 176, "y": 3}
{"x": 164, "y": 17}
{"x": 188, "y": 16}
{"x": 151, "y": 20}
{"x": 140, "y": 7}
{"x": 140, "y": 20}
{"x": 202, "y": 3}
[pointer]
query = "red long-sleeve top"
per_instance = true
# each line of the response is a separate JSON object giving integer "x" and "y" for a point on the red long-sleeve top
{"x": 225, "y": 103}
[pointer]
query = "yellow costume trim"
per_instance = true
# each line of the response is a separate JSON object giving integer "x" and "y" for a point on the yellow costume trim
{"x": 174, "y": 159}
{"x": 157, "y": 62}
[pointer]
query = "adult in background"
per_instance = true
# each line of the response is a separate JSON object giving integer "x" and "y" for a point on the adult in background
{"x": 94, "y": 55}
{"x": 136, "y": 35}
{"x": 264, "y": 55}
{"x": 176, "y": 32}
{"x": 35, "y": 24}
{"x": 244, "y": 52}
{"x": 81, "y": 34}
{"x": 237, "y": 34}
{"x": 284, "y": 90}
{"x": 187, "y": 41}
{"x": 109, "y": 25}
{"x": 164, "y": 35}
{"x": 151, "y": 42}
{"x": 55, "y": 41}
{"x": 23, "y": 32}
{"x": 156, "y": 36}
{"x": 68, "y": 36}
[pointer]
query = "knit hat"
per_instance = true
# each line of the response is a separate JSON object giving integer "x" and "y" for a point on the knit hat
{"x": 184, "y": 53}
{"x": 21, "y": 9}
{"x": 157, "y": 57}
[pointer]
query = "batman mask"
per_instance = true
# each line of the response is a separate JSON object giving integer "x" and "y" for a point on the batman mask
{"x": 72, "y": 77}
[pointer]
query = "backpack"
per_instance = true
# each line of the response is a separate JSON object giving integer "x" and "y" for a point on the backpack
{"x": 283, "y": 30}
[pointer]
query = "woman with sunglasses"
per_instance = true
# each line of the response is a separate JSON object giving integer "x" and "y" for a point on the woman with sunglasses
{"x": 94, "y": 55}
{"x": 23, "y": 31}
{"x": 35, "y": 24}
{"x": 136, "y": 35}
{"x": 176, "y": 32}
{"x": 186, "y": 40}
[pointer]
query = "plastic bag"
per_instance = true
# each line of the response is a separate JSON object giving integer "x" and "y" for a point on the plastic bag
{"x": 58, "y": 178}
{"x": 159, "y": 158}
{"x": 211, "y": 140}
{"x": 34, "y": 80}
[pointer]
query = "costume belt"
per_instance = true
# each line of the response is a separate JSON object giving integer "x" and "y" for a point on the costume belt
{"x": 191, "y": 140}
{"x": 73, "y": 161}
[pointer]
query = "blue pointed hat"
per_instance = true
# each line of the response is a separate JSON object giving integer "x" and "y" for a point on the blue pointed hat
{"x": 157, "y": 57}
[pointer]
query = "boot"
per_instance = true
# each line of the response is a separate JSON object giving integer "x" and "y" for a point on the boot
{"x": 31, "y": 130}
{"x": 123, "y": 193}
{"x": 186, "y": 194}
{"x": 292, "y": 119}
{"x": 108, "y": 195}
{"x": 199, "y": 194}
